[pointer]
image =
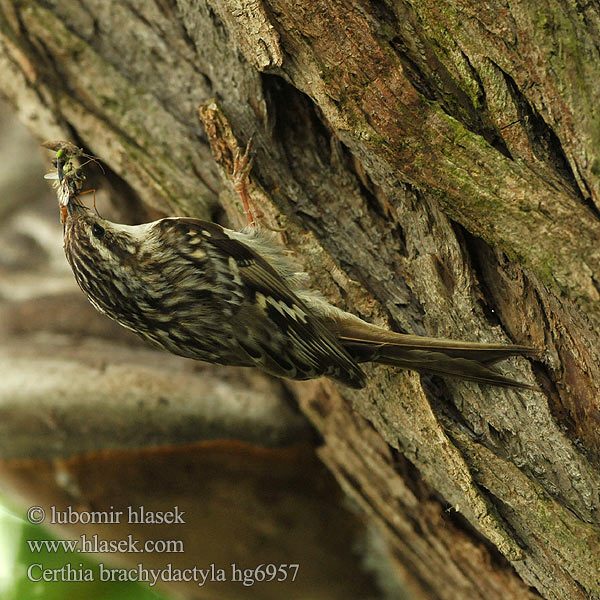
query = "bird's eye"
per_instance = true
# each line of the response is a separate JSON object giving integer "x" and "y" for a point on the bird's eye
{"x": 98, "y": 231}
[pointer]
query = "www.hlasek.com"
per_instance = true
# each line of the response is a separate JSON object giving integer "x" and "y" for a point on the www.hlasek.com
{"x": 135, "y": 515}
{"x": 211, "y": 574}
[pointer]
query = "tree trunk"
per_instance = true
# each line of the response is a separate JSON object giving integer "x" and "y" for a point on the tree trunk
{"x": 434, "y": 166}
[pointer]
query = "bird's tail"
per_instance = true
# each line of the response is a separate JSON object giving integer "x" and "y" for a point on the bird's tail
{"x": 466, "y": 360}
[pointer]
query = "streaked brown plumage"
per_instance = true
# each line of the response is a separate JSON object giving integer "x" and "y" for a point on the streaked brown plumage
{"x": 235, "y": 298}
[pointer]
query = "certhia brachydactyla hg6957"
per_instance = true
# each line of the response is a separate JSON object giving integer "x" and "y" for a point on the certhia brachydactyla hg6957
{"x": 202, "y": 291}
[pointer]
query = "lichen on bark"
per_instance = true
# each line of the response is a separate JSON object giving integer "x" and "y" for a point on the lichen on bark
{"x": 434, "y": 165}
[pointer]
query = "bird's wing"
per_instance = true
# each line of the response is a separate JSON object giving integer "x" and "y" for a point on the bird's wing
{"x": 273, "y": 326}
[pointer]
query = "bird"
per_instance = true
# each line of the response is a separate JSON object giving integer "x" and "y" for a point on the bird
{"x": 206, "y": 292}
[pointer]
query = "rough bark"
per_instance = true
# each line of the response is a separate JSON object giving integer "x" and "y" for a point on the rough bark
{"x": 435, "y": 166}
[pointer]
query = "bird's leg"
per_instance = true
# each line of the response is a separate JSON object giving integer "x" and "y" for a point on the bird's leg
{"x": 242, "y": 166}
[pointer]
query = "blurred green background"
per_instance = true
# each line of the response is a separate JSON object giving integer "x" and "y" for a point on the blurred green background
{"x": 16, "y": 557}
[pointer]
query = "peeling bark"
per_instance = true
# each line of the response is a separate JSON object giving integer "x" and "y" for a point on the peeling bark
{"x": 435, "y": 167}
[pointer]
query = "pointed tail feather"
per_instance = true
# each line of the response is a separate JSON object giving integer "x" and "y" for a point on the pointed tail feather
{"x": 482, "y": 352}
{"x": 467, "y": 360}
{"x": 438, "y": 363}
